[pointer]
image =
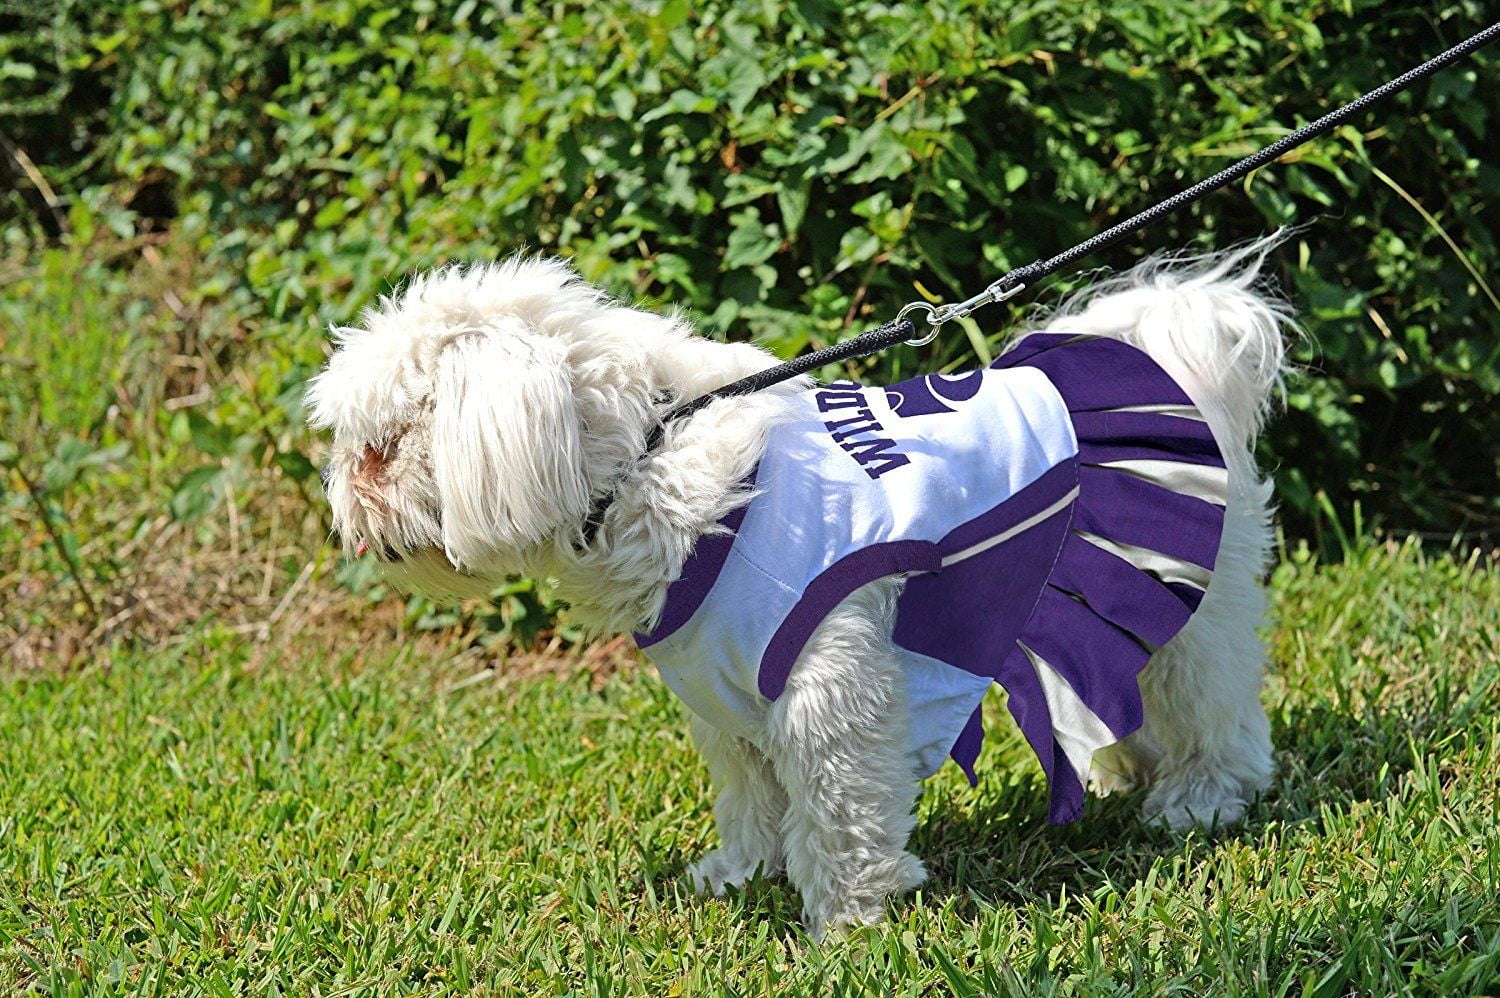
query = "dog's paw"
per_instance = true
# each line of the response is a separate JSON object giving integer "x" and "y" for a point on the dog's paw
{"x": 1104, "y": 782}
{"x": 1120, "y": 768}
{"x": 1179, "y": 812}
{"x": 845, "y": 923}
{"x": 722, "y": 869}
{"x": 838, "y": 907}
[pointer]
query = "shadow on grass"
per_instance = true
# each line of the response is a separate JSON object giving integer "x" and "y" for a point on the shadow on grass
{"x": 995, "y": 844}
{"x": 764, "y": 900}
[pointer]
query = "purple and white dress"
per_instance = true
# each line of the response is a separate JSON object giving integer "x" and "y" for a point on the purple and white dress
{"x": 1056, "y": 514}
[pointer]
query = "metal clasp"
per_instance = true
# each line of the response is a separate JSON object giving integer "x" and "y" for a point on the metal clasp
{"x": 939, "y": 314}
{"x": 932, "y": 319}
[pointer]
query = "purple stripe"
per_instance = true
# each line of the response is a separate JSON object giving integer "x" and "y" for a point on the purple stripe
{"x": 1095, "y": 374}
{"x": 830, "y": 589}
{"x": 1119, "y": 592}
{"x": 1028, "y": 705}
{"x": 1188, "y": 440}
{"x": 1098, "y": 660}
{"x": 1065, "y": 793}
{"x": 1027, "y": 347}
{"x": 970, "y": 614}
{"x": 1092, "y": 453}
{"x": 1055, "y": 483}
{"x": 1188, "y": 594}
{"x": 1130, "y": 510}
{"x": 699, "y": 573}
{"x": 965, "y": 750}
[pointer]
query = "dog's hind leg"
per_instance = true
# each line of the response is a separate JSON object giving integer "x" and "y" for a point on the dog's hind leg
{"x": 837, "y": 737}
{"x": 1206, "y": 732}
{"x": 748, "y": 812}
{"x": 1124, "y": 766}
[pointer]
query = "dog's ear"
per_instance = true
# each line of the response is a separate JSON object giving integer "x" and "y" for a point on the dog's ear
{"x": 506, "y": 447}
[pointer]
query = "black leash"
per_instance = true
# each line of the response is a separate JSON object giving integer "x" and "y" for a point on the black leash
{"x": 1012, "y": 283}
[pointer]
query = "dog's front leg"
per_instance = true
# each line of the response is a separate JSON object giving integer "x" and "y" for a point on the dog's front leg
{"x": 837, "y": 737}
{"x": 747, "y": 811}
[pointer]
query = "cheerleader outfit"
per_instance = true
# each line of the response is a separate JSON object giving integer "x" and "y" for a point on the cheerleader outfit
{"x": 1056, "y": 516}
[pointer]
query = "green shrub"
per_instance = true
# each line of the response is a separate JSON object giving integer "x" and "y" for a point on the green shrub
{"x": 793, "y": 171}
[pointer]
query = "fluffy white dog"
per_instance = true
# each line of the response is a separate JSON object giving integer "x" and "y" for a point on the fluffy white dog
{"x": 482, "y": 415}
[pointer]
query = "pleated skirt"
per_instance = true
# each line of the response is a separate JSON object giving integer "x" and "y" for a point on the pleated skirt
{"x": 1135, "y": 564}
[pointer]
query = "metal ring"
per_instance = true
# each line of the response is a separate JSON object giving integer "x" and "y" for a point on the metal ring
{"x": 933, "y": 324}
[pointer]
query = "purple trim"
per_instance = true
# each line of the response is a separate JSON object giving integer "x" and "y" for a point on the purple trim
{"x": 931, "y": 622}
{"x": 1096, "y": 658}
{"x": 1035, "y": 497}
{"x": 929, "y": 394}
{"x": 1131, "y": 510}
{"x": 1111, "y": 436}
{"x": 1119, "y": 592}
{"x": 1065, "y": 794}
{"x": 830, "y": 589}
{"x": 699, "y": 573}
{"x": 1027, "y": 703}
{"x": 966, "y": 747}
{"x": 1075, "y": 369}
{"x": 971, "y": 612}
{"x": 1027, "y": 347}
{"x": 1188, "y": 594}
{"x": 1096, "y": 454}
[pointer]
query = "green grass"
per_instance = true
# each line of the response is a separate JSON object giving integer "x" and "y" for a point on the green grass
{"x": 248, "y": 778}
{"x": 288, "y": 816}
{"x": 226, "y": 766}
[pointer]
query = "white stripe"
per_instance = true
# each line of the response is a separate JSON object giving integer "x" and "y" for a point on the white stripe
{"x": 1181, "y": 411}
{"x": 1077, "y": 729}
{"x": 1164, "y": 567}
{"x": 1198, "y": 481}
{"x": 1006, "y": 535}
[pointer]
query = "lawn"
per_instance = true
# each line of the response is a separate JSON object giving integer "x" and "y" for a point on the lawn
{"x": 231, "y": 763}
{"x": 311, "y": 812}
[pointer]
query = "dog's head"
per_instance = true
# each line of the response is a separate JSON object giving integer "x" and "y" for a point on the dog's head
{"x": 474, "y": 415}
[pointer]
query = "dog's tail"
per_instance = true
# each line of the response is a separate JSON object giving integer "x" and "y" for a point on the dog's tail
{"x": 1210, "y": 323}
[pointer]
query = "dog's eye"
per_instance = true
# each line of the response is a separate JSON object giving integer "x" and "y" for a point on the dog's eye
{"x": 324, "y": 474}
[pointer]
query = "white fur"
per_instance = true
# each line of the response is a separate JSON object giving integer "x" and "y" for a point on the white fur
{"x": 478, "y": 413}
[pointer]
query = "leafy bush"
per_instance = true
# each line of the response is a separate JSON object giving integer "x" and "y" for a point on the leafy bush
{"x": 793, "y": 171}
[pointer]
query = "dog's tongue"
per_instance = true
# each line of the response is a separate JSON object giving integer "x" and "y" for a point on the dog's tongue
{"x": 359, "y": 552}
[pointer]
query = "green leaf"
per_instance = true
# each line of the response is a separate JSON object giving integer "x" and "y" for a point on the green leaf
{"x": 673, "y": 13}
{"x": 210, "y": 438}
{"x": 887, "y": 159}
{"x": 681, "y": 102}
{"x": 745, "y": 80}
{"x": 67, "y": 461}
{"x": 109, "y": 43}
{"x": 847, "y": 148}
{"x": 857, "y": 246}
{"x": 104, "y": 456}
{"x": 199, "y": 491}
{"x": 751, "y": 241}
{"x": 791, "y": 199}
{"x": 295, "y": 465}
{"x": 17, "y": 70}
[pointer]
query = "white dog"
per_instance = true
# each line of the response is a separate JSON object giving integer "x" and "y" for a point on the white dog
{"x": 482, "y": 417}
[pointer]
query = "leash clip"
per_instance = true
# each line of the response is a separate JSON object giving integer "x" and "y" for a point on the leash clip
{"x": 939, "y": 314}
